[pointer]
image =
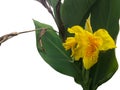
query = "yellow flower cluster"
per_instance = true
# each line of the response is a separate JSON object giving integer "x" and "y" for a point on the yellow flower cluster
{"x": 87, "y": 45}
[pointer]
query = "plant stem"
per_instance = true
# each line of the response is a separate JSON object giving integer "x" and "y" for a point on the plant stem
{"x": 58, "y": 20}
{"x": 86, "y": 88}
{"x": 86, "y": 79}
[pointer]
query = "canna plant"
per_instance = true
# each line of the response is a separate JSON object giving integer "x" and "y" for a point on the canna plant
{"x": 85, "y": 46}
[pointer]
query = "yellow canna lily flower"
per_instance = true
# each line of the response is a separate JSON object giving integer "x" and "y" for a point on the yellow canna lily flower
{"x": 87, "y": 45}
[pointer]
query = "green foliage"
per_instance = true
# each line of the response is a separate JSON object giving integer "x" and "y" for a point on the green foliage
{"x": 75, "y": 12}
{"x": 104, "y": 14}
{"x": 107, "y": 17}
{"x": 53, "y": 3}
{"x": 51, "y": 49}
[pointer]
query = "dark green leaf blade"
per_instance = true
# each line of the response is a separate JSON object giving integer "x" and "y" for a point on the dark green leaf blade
{"x": 104, "y": 69}
{"x": 105, "y": 14}
{"x": 54, "y": 53}
{"x": 75, "y": 12}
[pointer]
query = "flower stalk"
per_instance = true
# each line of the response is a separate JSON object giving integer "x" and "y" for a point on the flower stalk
{"x": 86, "y": 79}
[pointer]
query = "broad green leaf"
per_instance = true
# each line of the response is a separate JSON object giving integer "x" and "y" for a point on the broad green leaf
{"x": 105, "y": 14}
{"x": 54, "y": 54}
{"x": 75, "y": 12}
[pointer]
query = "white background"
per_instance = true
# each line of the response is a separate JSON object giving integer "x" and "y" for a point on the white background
{"x": 21, "y": 67}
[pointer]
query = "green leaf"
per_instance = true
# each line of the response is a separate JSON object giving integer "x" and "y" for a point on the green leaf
{"x": 53, "y": 3}
{"x": 105, "y": 14}
{"x": 53, "y": 52}
{"x": 75, "y": 12}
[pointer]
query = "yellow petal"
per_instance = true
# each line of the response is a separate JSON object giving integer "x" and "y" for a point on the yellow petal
{"x": 88, "y": 25}
{"x": 90, "y": 59}
{"x": 77, "y": 52}
{"x": 69, "y": 43}
{"x": 108, "y": 42}
{"x": 75, "y": 29}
